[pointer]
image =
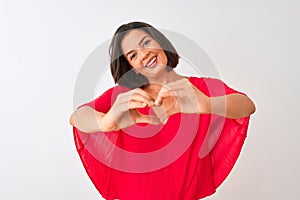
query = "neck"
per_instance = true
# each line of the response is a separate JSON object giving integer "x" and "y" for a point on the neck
{"x": 165, "y": 78}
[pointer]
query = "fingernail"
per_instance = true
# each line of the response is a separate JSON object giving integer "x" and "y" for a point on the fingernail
{"x": 152, "y": 103}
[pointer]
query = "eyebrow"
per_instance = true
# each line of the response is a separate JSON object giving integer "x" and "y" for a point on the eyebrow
{"x": 143, "y": 38}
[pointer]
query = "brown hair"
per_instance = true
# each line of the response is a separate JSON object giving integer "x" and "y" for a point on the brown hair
{"x": 118, "y": 63}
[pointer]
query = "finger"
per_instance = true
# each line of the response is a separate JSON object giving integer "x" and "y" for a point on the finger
{"x": 185, "y": 92}
{"x": 127, "y": 119}
{"x": 136, "y": 104}
{"x": 160, "y": 112}
{"x": 141, "y": 98}
{"x": 183, "y": 87}
{"x": 124, "y": 107}
{"x": 181, "y": 92}
{"x": 137, "y": 95}
{"x": 154, "y": 120}
{"x": 163, "y": 93}
{"x": 143, "y": 93}
{"x": 181, "y": 83}
{"x": 161, "y": 96}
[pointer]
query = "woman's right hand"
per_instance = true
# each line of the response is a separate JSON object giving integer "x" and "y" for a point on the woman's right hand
{"x": 123, "y": 112}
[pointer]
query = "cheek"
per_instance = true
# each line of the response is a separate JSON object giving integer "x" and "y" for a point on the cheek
{"x": 134, "y": 64}
{"x": 164, "y": 57}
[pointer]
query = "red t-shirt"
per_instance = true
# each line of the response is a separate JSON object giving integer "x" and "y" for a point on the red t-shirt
{"x": 187, "y": 158}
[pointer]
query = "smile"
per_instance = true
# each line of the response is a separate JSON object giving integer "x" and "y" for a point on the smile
{"x": 152, "y": 62}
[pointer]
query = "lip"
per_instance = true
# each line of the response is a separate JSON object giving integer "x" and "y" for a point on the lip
{"x": 151, "y": 62}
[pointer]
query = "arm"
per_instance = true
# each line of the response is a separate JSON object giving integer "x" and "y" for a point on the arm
{"x": 89, "y": 120}
{"x": 217, "y": 98}
{"x": 190, "y": 99}
{"x": 231, "y": 106}
{"x": 120, "y": 115}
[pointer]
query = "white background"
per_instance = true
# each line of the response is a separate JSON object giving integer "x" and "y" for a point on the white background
{"x": 43, "y": 44}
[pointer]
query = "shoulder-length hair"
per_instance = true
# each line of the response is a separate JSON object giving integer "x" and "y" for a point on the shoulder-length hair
{"x": 119, "y": 65}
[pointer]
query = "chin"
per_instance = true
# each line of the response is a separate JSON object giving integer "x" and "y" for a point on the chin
{"x": 155, "y": 73}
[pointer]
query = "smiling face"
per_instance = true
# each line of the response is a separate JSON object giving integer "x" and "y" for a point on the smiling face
{"x": 144, "y": 54}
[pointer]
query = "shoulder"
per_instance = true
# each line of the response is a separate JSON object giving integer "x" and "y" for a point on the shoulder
{"x": 105, "y": 100}
{"x": 203, "y": 83}
{"x": 112, "y": 93}
{"x": 211, "y": 86}
{"x": 204, "y": 80}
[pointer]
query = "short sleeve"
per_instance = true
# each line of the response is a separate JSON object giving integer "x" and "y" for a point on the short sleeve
{"x": 213, "y": 87}
{"x": 101, "y": 103}
{"x": 225, "y": 136}
{"x": 95, "y": 148}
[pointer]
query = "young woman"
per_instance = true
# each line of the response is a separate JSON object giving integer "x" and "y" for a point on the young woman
{"x": 158, "y": 134}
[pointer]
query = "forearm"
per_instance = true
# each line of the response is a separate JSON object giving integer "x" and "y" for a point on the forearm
{"x": 89, "y": 120}
{"x": 232, "y": 106}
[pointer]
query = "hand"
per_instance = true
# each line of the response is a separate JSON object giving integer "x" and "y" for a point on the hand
{"x": 123, "y": 112}
{"x": 181, "y": 96}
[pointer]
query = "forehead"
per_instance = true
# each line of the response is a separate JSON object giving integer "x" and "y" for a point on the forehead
{"x": 132, "y": 39}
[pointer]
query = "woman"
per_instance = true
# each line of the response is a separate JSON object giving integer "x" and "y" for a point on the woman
{"x": 158, "y": 134}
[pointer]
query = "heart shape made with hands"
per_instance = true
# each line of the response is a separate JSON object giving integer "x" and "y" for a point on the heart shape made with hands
{"x": 172, "y": 98}
{"x": 180, "y": 96}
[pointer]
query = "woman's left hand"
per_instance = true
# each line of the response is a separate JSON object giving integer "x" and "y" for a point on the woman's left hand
{"x": 183, "y": 97}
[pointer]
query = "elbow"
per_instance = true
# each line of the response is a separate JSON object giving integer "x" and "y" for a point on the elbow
{"x": 71, "y": 120}
{"x": 248, "y": 106}
{"x": 252, "y": 107}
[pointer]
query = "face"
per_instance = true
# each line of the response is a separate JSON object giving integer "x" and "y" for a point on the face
{"x": 144, "y": 54}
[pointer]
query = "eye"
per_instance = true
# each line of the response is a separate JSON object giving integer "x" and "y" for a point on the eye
{"x": 146, "y": 42}
{"x": 132, "y": 56}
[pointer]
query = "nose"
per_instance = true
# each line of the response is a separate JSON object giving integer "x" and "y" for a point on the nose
{"x": 143, "y": 53}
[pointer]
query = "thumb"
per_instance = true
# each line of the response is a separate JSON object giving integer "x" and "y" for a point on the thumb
{"x": 150, "y": 119}
{"x": 160, "y": 113}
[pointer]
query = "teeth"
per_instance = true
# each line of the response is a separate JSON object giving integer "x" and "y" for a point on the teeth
{"x": 151, "y": 62}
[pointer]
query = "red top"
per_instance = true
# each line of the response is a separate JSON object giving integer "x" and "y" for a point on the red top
{"x": 187, "y": 158}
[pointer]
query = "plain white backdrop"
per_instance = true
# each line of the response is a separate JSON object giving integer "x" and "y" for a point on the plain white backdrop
{"x": 43, "y": 44}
